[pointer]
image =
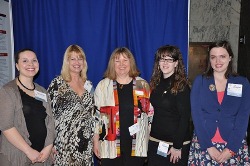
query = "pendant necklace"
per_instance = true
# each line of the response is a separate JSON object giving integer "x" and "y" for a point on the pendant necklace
{"x": 25, "y": 86}
{"x": 120, "y": 86}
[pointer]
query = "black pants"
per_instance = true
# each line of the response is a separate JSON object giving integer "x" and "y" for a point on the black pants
{"x": 123, "y": 160}
{"x": 156, "y": 160}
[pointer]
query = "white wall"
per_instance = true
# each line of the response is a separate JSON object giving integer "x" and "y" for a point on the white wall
{"x": 7, "y": 67}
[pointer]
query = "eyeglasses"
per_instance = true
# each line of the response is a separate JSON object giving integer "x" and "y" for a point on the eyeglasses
{"x": 162, "y": 60}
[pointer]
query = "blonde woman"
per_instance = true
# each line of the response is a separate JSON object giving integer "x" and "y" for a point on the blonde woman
{"x": 123, "y": 100}
{"x": 73, "y": 107}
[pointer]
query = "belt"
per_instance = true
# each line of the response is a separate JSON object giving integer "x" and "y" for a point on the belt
{"x": 170, "y": 143}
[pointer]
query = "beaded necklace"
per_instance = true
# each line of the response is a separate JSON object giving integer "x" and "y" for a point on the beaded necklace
{"x": 25, "y": 86}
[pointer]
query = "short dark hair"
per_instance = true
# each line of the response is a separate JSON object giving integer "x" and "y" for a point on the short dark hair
{"x": 17, "y": 55}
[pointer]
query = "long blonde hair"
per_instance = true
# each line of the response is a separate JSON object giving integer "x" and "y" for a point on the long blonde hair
{"x": 65, "y": 67}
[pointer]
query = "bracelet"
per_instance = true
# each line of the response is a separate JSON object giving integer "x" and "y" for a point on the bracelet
{"x": 177, "y": 149}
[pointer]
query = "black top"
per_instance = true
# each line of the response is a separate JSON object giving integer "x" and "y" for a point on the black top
{"x": 35, "y": 114}
{"x": 126, "y": 114}
{"x": 171, "y": 113}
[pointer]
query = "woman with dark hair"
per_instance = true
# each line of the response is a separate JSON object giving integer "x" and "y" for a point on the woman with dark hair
{"x": 169, "y": 139}
{"x": 26, "y": 119}
{"x": 123, "y": 100}
{"x": 220, "y": 111}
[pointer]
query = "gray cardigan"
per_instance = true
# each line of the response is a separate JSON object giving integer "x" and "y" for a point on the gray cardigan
{"x": 11, "y": 115}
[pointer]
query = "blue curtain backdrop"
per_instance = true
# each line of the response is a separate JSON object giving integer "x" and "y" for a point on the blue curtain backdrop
{"x": 98, "y": 26}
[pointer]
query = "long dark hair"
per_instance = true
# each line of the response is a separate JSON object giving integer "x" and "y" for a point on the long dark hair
{"x": 226, "y": 45}
{"x": 180, "y": 79}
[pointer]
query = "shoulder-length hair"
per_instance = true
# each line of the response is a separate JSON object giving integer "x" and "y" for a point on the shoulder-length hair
{"x": 65, "y": 72}
{"x": 122, "y": 51}
{"x": 226, "y": 45}
{"x": 179, "y": 80}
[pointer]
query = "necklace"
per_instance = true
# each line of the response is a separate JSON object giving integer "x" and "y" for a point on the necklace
{"x": 164, "y": 93}
{"x": 127, "y": 81}
{"x": 25, "y": 86}
{"x": 120, "y": 86}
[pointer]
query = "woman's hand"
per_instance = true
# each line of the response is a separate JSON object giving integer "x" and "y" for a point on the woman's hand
{"x": 33, "y": 155}
{"x": 52, "y": 154}
{"x": 214, "y": 153}
{"x": 96, "y": 146}
{"x": 224, "y": 156}
{"x": 175, "y": 154}
{"x": 44, "y": 154}
{"x": 15, "y": 138}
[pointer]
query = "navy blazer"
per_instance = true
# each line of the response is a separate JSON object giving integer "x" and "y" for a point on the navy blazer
{"x": 231, "y": 116}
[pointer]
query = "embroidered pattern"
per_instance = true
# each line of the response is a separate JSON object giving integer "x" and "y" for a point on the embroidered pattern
{"x": 109, "y": 126}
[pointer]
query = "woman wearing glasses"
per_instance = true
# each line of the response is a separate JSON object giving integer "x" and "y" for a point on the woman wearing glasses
{"x": 169, "y": 140}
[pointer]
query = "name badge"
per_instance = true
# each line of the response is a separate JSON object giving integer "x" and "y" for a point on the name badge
{"x": 234, "y": 90}
{"x": 162, "y": 149}
{"x": 134, "y": 129}
{"x": 139, "y": 93}
{"x": 40, "y": 96}
{"x": 88, "y": 86}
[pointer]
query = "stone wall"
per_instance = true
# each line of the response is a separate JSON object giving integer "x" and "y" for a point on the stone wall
{"x": 212, "y": 20}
